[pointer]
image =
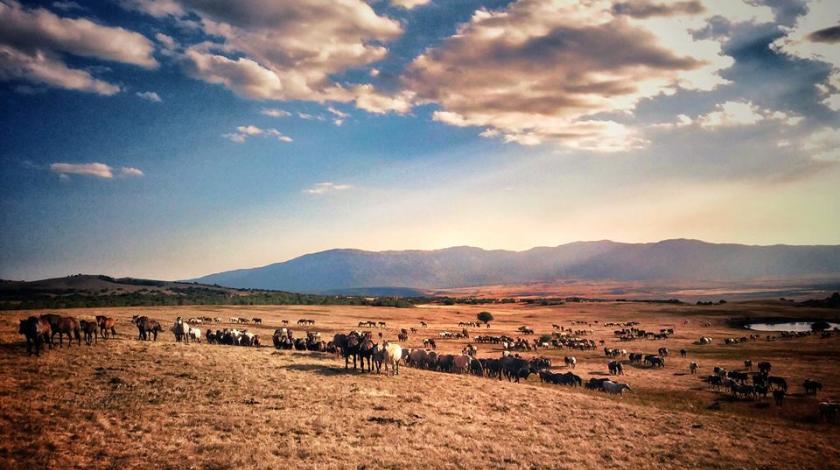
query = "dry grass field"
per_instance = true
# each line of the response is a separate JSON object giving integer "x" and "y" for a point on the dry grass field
{"x": 126, "y": 403}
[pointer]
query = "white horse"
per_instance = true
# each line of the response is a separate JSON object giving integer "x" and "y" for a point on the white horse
{"x": 181, "y": 330}
{"x": 391, "y": 355}
{"x": 616, "y": 388}
{"x": 194, "y": 334}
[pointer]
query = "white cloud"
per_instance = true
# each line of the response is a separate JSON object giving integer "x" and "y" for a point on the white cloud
{"x": 130, "y": 171}
{"x": 823, "y": 144}
{"x": 326, "y": 187}
{"x": 283, "y": 50}
{"x": 541, "y": 70}
{"x": 244, "y": 132}
{"x": 732, "y": 114}
{"x": 339, "y": 116}
{"x": 49, "y": 70}
{"x": 409, "y": 4}
{"x": 376, "y": 102}
{"x": 310, "y": 117}
{"x": 275, "y": 112}
{"x": 167, "y": 41}
{"x": 32, "y": 41}
{"x": 150, "y": 96}
{"x": 95, "y": 169}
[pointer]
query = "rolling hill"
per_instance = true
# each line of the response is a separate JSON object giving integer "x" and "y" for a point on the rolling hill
{"x": 669, "y": 261}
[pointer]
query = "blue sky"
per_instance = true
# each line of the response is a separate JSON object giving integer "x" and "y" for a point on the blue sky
{"x": 174, "y": 138}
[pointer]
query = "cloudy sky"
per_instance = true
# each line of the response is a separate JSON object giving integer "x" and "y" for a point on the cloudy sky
{"x": 174, "y": 138}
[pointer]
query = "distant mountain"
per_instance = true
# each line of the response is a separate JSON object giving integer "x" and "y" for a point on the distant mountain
{"x": 344, "y": 270}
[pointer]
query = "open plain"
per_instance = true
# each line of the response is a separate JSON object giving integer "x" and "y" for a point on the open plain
{"x": 124, "y": 402}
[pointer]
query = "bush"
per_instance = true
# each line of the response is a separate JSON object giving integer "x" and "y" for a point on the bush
{"x": 485, "y": 317}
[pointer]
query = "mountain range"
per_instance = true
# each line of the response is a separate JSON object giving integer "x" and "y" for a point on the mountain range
{"x": 678, "y": 260}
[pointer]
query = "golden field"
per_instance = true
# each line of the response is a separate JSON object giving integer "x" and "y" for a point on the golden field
{"x": 127, "y": 403}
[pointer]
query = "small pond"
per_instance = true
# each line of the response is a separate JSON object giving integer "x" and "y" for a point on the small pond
{"x": 786, "y": 326}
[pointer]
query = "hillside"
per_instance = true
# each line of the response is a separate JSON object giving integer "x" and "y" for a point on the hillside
{"x": 83, "y": 290}
{"x": 666, "y": 261}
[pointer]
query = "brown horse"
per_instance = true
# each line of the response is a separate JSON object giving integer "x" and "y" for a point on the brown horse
{"x": 106, "y": 325}
{"x": 90, "y": 330}
{"x": 146, "y": 327}
{"x": 36, "y": 331}
{"x": 62, "y": 326}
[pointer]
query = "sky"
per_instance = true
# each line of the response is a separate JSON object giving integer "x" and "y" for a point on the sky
{"x": 170, "y": 139}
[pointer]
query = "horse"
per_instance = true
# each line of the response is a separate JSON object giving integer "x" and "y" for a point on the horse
{"x": 570, "y": 361}
{"x": 106, "y": 324}
{"x": 147, "y": 327}
{"x": 63, "y": 326}
{"x": 90, "y": 330}
{"x": 181, "y": 329}
{"x": 615, "y": 388}
{"x": 36, "y": 330}
{"x": 348, "y": 345}
{"x": 812, "y": 386}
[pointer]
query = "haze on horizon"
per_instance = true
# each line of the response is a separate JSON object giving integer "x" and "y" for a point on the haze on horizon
{"x": 170, "y": 139}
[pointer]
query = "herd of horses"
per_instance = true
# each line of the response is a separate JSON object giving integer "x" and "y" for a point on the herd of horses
{"x": 42, "y": 329}
{"x": 360, "y": 348}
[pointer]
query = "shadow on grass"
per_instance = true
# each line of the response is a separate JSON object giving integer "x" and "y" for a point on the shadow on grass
{"x": 329, "y": 371}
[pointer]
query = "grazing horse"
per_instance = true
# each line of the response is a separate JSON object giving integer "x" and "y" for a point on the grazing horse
{"x": 683, "y": 353}
{"x": 348, "y": 345}
{"x": 692, "y": 367}
{"x": 36, "y": 330}
{"x": 812, "y": 386}
{"x": 570, "y": 361}
{"x": 764, "y": 367}
{"x": 615, "y": 368}
{"x": 181, "y": 330}
{"x": 778, "y": 382}
{"x": 106, "y": 325}
{"x": 63, "y": 326}
{"x": 366, "y": 347}
{"x": 615, "y": 388}
{"x": 390, "y": 355}
{"x": 90, "y": 330}
{"x": 147, "y": 328}
{"x": 748, "y": 364}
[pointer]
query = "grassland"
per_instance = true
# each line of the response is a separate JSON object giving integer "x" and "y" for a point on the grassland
{"x": 126, "y": 403}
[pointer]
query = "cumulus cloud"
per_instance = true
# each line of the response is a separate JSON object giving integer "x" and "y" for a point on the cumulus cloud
{"x": 732, "y": 114}
{"x": 409, "y": 4}
{"x": 95, "y": 169}
{"x": 374, "y": 101}
{"x": 823, "y": 144}
{"x": 32, "y": 41}
{"x": 168, "y": 42}
{"x": 244, "y": 132}
{"x": 274, "y": 112}
{"x": 280, "y": 50}
{"x": 150, "y": 96}
{"x": 338, "y": 116}
{"x": 542, "y": 70}
{"x": 49, "y": 70}
{"x": 130, "y": 171}
{"x": 326, "y": 188}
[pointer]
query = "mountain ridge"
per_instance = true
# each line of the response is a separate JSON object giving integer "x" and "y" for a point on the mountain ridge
{"x": 670, "y": 260}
